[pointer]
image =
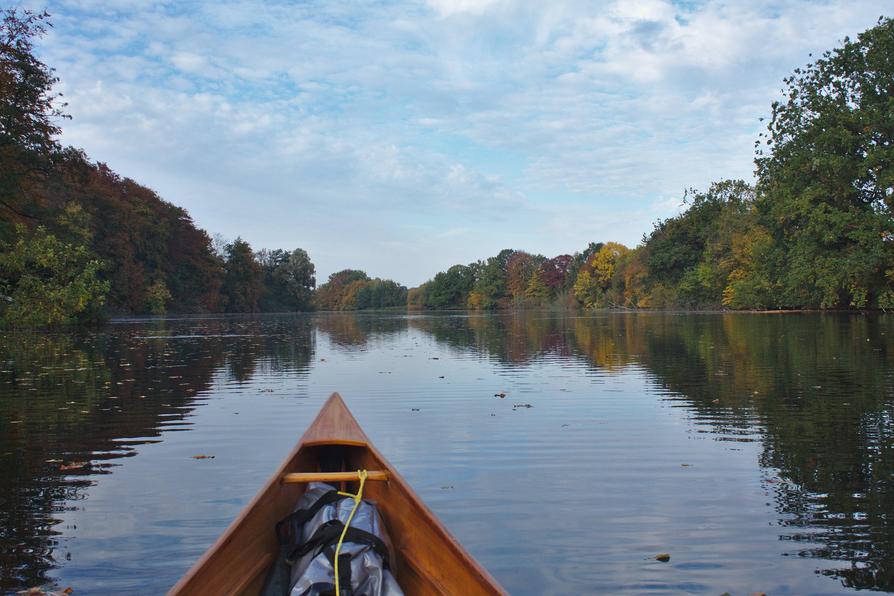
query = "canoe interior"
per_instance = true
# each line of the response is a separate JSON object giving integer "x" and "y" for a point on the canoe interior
{"x": 427, "y": 559}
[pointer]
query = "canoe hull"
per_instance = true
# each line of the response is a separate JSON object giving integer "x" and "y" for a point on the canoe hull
{"x": 428, "y": 560}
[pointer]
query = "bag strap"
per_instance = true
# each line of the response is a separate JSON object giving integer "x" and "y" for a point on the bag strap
{"x": 327, "y": 535}
{"x": 288, "y": 529}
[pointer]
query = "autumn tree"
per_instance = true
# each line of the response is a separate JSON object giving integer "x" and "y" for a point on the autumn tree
{"x": 520, "y": 266}
{"x": 554, "y": 271}
{"x": 331, "y": 295}
{"x": 29, "y": 113}
{"x": 595, "y": 277}
{"x": 416, "y": 297}
{"x": 537, "y": 290}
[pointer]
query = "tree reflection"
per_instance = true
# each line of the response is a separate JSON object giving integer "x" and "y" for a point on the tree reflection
{"x": 71, "y": 404}
{"x": 816, "y": 389}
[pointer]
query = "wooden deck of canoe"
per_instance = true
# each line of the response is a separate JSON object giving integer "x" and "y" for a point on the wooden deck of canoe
{"x": 428, "y": 559}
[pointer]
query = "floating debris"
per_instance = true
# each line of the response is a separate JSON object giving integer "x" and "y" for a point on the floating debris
{"x": 203, "y": 457}
{"x": 516, "y": 406}
{"x": 75, "y": 465}
{"x": 663, "y": 557}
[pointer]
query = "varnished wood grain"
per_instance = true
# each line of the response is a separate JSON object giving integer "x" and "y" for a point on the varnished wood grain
{"x": 306, "y": 477}
{"x": 428, "y": 560}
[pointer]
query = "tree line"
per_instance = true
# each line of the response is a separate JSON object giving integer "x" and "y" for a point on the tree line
{"x": 815, "y": 231}
{"x": 79, "y": 242}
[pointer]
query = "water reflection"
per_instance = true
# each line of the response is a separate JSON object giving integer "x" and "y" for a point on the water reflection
{"x": 71, "y": 404}
{"x": 813, "y": 392}
{"x": 817, "y": 389}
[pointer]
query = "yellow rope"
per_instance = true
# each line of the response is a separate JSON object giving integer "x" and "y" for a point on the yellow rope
{"x": 362, "y": 475}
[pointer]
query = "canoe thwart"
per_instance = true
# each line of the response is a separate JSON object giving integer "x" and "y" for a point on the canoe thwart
{"x": 301, "y": 477}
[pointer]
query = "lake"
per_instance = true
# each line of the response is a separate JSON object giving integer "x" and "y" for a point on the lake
{"x": 756, "y": 449}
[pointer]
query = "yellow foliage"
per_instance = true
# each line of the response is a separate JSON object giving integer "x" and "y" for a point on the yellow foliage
{"x": 595, "y": 277}
{"x": 475, "y": 301}
{"x": 603, "y": 262}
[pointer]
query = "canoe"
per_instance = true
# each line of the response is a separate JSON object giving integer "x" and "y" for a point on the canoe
{"x": 428, "y": 560}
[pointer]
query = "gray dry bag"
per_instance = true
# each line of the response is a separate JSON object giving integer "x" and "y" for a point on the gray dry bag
{"x": 308, "y": 537}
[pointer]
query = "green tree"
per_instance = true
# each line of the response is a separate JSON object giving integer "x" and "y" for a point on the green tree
{"x": 826, "y": 174}
{"x": 242, "y": 278}
{"x": 289, "y": 280}
{"x": 450, "y": 289}
{"x": 490, "y": 290}
{"x": 45, "y": 281}
{"x": 380, "y": 293}
{"x": 157, "y": 297}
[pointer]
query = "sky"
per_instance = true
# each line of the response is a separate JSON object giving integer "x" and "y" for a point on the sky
{"x": 404, "y": 137}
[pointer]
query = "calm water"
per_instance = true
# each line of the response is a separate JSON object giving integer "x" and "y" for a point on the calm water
{"x": 758, "y": 450}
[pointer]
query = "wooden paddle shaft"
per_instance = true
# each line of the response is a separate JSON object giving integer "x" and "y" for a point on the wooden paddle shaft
{"x": 299, "y": 477}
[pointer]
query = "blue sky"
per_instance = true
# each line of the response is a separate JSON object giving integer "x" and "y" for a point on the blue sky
{"x": 404, "y": 137}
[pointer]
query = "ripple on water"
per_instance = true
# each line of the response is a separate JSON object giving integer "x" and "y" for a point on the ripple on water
{"x": 756, "y": 450}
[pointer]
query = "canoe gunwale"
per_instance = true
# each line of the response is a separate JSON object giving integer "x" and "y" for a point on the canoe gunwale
{"x": 335, "y": 426}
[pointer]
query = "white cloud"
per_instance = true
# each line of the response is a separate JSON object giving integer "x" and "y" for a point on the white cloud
{"x": 333, "y": 125}
{"x": 447, "y": 8}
